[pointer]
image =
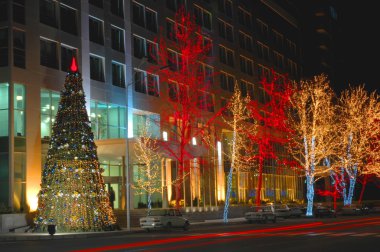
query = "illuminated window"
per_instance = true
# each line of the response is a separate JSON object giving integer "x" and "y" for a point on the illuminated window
{"x": 49, "y": 108}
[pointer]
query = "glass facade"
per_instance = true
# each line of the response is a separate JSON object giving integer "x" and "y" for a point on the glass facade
{"x": 107, "y": 120}
{"x": 19, "y": 165}
{"x": 4, "y": 144}
{"x": 152, "y": 120}
{"x": 49, "y": 108}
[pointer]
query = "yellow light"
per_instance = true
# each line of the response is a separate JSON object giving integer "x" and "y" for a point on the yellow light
{"x": 19, "y": 98}
{"x": 33, "y": 200}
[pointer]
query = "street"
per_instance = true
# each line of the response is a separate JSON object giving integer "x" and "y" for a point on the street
{"x": 327, "y": 234}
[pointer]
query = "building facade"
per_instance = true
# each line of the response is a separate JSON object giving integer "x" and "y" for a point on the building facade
{"x": 111, "y": 40}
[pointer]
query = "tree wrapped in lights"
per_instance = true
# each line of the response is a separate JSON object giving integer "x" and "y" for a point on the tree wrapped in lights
{"x": 149, "y": 172}
{"x": 372, "y": 153}
{"x": 73, "y": 195}
{"x": 273, "y": 128}
{"x": 358, "y": 130}
{"x": 182, "y": 57}
{"x": 239, "y": 148}
{"x": 312, "y": 122}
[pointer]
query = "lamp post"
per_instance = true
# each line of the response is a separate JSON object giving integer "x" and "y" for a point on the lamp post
{"x": 127, "y": 178}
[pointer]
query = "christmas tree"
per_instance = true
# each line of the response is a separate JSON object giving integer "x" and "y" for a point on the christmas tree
{"x": 73, "y": 195}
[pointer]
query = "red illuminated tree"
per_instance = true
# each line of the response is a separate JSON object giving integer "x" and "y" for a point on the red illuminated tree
{"x": 182, "y": 66}
{"x": 270, "y": 113}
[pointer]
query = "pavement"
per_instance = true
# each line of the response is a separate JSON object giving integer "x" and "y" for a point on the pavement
{"x": 83, "y": 235}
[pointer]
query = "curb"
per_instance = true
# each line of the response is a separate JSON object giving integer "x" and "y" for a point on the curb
{"x": 59, "y": 236}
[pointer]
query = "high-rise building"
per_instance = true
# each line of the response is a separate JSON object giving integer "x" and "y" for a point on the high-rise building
{"x": 320, "y": 38}
{"x": 110, "y": 39}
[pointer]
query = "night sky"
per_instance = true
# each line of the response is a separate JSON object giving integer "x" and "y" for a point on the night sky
{"x": 360, "y": 23}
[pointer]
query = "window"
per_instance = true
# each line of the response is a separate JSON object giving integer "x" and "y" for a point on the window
{"x": 19, "y": 48}
{"x": 226, "y": 56}
{"x": 206, "y": 73}
{"x": 118, "y": 74}
{"x": 173, "y": 29}
{"x": 3, "y": 47}
{"x": 97, "y": 68}
{"x": 117, "y": 7}
{"x": 144, "y": 17}
{"x": 263, "y": 51}
{"x": 67, "y": 53}
{"x": 107, "y": 120}
{"x": 244, "y": 17}
{"x": 225, "y": 6}
{"x": 143, "y": 118}
{"x": 49, "y": 108}
{"x": 68, "y": 17}
{"x": 278, "y": 59}
{"x": 246, "y": 65}
{"x": 246, "y": 88}
{"x": 207, "y": 46}
{"x": 173, "y": 90}
{"x": 96, "y": 30}
{"x": 245, "y": 41}
{"x": 202, "y": 17}
{"x": 227, "y": 81}
{"x": 151, "y": 20}
{"x": 223, "y": 106}
{"x": 225, "y": 30}
{"x": 263, "y": 72}
{"x": 146, "y": 83}
{"x": 145, "y": 48}
{"x": 19, "y": 11}
{"x": 205, "y": 101}
{"x": 117, "y": 36}
{"x": 262, "y": 28}
{"x": 292, "y": 67}
{"x": 174, "y": 5}
{"x": 3, "y": 10}
{"x": 4, "y": 109}
{"x": 48, "y": 53}
{"x": 48, "y": 12}
{"x": 138, "y": 14}
{"x": 97, "y": 3}
{"x": 19, "y": 110}
{"x": 291, "y": 47}
{"x": 278, "y": 38}
{"x": 174, "y": 60}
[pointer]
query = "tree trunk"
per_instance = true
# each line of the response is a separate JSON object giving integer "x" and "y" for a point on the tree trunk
{"x": 309, "y": 195}
{"x": 227, "y": 201}
{"x": 259, "y": 182}
{"x": 363, "y": 188}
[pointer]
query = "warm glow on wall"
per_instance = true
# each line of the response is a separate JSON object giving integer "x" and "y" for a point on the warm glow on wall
{"x": 32, "y": 199}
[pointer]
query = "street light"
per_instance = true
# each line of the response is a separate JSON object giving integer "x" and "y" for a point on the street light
{"x": 127, "y": 182}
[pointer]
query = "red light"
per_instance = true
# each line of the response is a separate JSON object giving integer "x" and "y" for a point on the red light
{"x": 74, "y": 66}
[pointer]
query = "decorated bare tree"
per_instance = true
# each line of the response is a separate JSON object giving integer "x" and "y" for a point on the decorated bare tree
{"x": 147, "y": 155}
{"x": 358, "y": 131}
{"x": 312, "y": 122}
{"x": 238, "y": 121}
{"x": 372, "y": 164}
{"x": 182, "y": 65}
{"x": 272, "y": 129}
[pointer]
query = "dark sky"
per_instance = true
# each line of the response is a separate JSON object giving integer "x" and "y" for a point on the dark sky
{"x": 360, "y": 49}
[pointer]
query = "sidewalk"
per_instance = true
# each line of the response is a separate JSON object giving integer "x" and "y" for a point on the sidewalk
{"x": 83, "y": 235}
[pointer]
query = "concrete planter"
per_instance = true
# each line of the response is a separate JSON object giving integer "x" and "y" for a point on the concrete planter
{"x": 9, "y": 221}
